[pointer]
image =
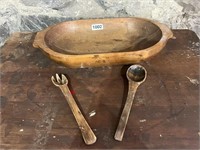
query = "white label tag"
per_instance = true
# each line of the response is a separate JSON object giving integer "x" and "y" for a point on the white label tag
{"x": 97, "y": 26}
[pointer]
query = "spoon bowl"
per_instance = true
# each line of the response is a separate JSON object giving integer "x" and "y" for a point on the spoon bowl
{"x": 136, "y": 73}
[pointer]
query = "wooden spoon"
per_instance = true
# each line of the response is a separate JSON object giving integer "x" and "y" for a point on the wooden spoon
{"x": 136, "y": 75}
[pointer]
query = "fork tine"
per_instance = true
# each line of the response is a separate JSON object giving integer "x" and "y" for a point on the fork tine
{"x": 53, "y": 80}
{"x": 64, "y": 79}
{"x": 58, "y": 79}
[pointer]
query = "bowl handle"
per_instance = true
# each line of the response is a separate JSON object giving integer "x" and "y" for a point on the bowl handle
{"x": 37, "y": 39}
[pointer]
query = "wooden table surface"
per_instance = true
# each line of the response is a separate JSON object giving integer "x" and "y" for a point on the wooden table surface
{"x": 35, "y": 114}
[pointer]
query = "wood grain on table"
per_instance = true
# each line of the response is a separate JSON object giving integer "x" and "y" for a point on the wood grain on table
{"x": 35, "y": 115}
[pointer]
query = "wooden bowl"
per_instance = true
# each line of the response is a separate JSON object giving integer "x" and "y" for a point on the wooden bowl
{"x": 103, "y": 42}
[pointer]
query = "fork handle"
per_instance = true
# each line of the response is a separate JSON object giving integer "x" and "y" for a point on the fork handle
{"x": 87, "y": 133}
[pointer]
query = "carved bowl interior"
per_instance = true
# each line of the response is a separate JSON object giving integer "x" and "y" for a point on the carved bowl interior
{"x": 78, "y": 37}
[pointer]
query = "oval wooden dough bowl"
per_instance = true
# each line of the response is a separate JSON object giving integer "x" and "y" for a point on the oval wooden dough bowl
{"x": 102, "y": 42}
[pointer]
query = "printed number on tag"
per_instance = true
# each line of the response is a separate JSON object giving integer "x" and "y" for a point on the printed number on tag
{"x": 97, "y": 26}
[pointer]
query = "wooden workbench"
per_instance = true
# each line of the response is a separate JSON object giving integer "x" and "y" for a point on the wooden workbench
{"x": 35, "y": 114}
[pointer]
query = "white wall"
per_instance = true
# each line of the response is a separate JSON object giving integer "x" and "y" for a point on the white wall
{"x": 35, "y": 15}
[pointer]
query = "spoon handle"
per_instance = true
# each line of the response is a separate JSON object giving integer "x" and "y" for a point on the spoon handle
{"x": 126, "y": 111}
{"x": 87, "y": 133}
